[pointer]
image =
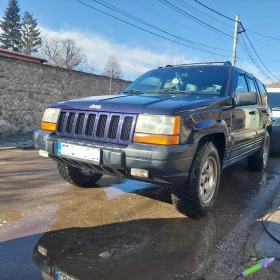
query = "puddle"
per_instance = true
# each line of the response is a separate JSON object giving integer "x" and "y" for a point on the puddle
{"x": 31, "y": 223}
{"x": 127, "y": 186}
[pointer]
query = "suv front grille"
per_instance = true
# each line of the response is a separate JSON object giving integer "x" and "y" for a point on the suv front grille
{"x": 103, "y": 126}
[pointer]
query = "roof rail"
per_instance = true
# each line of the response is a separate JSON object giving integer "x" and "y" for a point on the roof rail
{"x": 201, "y": 63}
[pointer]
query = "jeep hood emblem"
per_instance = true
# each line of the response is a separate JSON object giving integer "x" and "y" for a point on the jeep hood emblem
{"x": 93, "y": 106}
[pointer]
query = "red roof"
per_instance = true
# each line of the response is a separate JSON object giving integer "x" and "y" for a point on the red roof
{"x": 274, "y": 85}
{"x": 21, "y": 56}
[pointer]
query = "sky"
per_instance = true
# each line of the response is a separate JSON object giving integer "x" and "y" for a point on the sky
{"x": 138, "y": 51}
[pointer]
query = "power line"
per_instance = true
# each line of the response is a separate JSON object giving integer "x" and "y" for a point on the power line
{"x": 189, "y": 6}
{"x": 274, "y": 38}
{"x": 259, "y": 57}
{"x": 114, "y": 8}
{"x": 213, "y": 10}
{"x": 138, "y": 27}
{"x": 162, "y": 16}
{"x": 204, "y": 24}
{"x": 251, "y": 57}
{"x": 241, "y": 62}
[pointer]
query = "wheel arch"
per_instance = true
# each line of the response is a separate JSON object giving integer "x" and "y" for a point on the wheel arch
{"x": 219, "y": 140}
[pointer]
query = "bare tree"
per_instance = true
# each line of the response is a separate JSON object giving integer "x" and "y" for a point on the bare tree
{"x": 87, "y": 67}
{"x": 112, "y": 68}
{"x": 63, "y": 53}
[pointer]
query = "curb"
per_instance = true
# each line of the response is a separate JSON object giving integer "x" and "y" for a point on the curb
{"x": 8, "y": 148}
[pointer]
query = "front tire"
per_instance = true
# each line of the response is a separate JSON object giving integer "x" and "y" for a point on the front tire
{"x": 78, "y": 177}
{"x": 258, "y": 161}
{"x": 197, "y": 195}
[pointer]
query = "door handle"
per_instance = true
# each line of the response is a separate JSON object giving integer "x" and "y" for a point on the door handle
{"x": 252, "y": 113}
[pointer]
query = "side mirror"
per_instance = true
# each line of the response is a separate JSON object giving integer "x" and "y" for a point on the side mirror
{"x": 245, "y": 98}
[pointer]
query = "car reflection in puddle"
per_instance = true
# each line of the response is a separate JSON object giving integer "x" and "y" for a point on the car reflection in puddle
{"x": 140, "y": 249}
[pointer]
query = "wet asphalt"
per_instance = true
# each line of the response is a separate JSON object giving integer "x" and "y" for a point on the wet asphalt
{"x": 121, "y": 229}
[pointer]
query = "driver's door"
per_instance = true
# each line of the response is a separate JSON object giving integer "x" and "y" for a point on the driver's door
{"x": 244, "y": 123}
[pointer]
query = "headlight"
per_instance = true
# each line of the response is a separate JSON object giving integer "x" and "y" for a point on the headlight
{"x": 50, "y": 119}
{"x": 276, "y": 122}
{"x": 158, "y": 129}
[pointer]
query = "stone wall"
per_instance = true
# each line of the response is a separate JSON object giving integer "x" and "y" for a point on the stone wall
{"x": 27, "y": 88}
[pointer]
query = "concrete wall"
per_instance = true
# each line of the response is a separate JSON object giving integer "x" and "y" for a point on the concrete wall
{"x": 27, "y": 88}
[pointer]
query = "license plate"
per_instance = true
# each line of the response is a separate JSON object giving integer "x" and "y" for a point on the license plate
{"x": 59, "y": 275}
{"x": 79, "y": 152}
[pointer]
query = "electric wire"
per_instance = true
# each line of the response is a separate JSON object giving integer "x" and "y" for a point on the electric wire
{"x": 213, "y": 10}
{"x": 150, "y": 32}
{"x": 251, "y": 57}
{"x": 114, "y": 8}
{"x": 204, "y": 24}
{"x": 260, "y": 34}
{"x": 189, "y": 6}
{"x": 259, "y": 57}
{"x": 166, "y": 18}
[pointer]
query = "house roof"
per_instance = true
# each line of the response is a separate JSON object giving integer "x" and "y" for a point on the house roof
{"x": 21, "y": 56}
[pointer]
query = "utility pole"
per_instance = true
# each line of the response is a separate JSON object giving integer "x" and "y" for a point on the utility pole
{"x": 111, "y": 77}
{"x": 235, "y": 40}
{"x": 237, "y": 29}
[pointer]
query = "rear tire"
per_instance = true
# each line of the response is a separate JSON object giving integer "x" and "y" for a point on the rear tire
{"x": 78, "y": 177}
{"x": 258, "y": 161}
{"x": 197, "y": 195}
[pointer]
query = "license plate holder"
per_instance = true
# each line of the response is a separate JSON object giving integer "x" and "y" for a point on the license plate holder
{"x": 60, "y": 275}
{"x": 78, "y": 152}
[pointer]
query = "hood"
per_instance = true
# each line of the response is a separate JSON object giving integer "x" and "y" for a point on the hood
{"x": 144, "y": 103}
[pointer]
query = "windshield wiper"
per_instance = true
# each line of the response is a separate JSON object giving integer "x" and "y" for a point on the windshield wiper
{"x": 168, "y": 91}
{"x": 133, "y": 91}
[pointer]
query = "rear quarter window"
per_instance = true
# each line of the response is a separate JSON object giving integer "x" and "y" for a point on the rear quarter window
{"x": 262, "y": 93}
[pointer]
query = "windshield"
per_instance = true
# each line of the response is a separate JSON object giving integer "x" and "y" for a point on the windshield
{"x": 183, "y": 80}
{"x": 274, "y": 99}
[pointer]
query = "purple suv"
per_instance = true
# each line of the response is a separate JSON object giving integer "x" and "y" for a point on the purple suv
{"x": 177, "y": 124}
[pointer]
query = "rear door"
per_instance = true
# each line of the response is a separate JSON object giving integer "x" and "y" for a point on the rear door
{"x": 244, "y": 122}
{"x": 264, "y": 110}
{"x": 261, "y": 112}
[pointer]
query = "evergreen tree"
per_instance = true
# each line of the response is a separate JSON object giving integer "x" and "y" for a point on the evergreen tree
{"x": 30, "y": 34}
{"x": 10, "y": 24}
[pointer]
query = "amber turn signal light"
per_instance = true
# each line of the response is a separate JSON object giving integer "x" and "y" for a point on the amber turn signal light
{"x": 156, "y": 139}
{"x": 48, "y": 126}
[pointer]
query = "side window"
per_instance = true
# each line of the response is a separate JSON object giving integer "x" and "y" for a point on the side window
{"x": 252, "y": 85}
{"x": 262, "y": 92}
{"x": 241, "y": 84}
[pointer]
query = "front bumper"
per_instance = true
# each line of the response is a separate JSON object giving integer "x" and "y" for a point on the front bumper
{"x": 275, "y": 140}
{"x": 166, "y": 164}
